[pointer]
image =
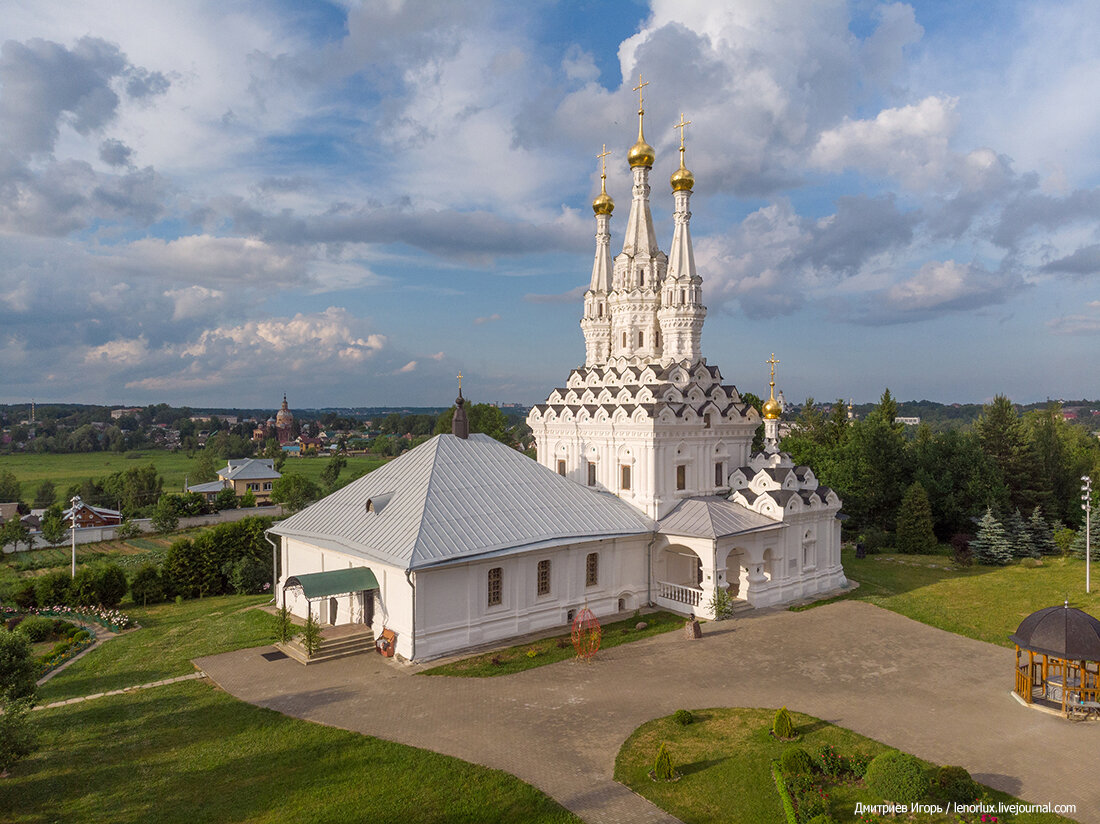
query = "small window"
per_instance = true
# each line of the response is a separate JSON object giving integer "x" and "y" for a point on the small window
{"x": 601, "y": 309}
{"x": 591, "y": 474}
{"x": 658, "y": 337}
{"x": 544, "y": 578}
{"x": 681, "y": 477}
{"x": 561, "y": 468}
{"x": 706, "y": 421}
{"x": 625, "y": 472}
{"x": 683, "y": 296}
{"x": 267, "y": 486}
{"x": 641, "y": 339}
{"x": 496, "y": 586}
{"x": 641, "y": 277}
{"x": 592, "y": 569}
{"x": 624, "y": 340}
{"x": 719, "y": 475}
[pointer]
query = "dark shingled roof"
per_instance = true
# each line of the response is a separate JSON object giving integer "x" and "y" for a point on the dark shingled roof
{"x": 1062, "y": 631}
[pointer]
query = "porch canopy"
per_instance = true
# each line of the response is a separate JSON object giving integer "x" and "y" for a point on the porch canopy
{"x": 1069, "y": 642}
{"x": 335, "y": 582}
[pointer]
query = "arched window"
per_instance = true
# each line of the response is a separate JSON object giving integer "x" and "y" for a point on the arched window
{"x": 681, "y": 476}
{"x": 641, "y": 339}
{"x": 601, "y": 309}
{"x": 683, "y": 296}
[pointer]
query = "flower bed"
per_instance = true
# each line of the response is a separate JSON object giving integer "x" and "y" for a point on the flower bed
{"x": 66, "y": 650}
{"x": 111, "y": 619}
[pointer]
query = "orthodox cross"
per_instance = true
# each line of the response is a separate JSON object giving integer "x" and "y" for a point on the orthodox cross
{"x": 460, "y": 379}
{"x": 603, "y": 163}
{"x": 638, "y": 89}
{"x": 773, "y": 362}
{"x": 681, "y": 125}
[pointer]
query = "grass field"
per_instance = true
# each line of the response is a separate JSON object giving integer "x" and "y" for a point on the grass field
{"x": 725, "y": 762}
{"x": 986, "y": 603}
{"x": 188, "y": 752}
{"x": 174, "y": 467}
{"x": 557, "y": 648}
{"x": 170, "y": 636}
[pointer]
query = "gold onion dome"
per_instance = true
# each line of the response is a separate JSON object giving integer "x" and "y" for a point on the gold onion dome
{"x": 682, "y": 179}
{"x": 772, "y": 409}
{"x": 641, "y": 153}
{"x": 603, "y": 204}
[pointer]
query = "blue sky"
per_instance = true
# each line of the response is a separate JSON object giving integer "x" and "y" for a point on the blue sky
{"x": 211, "y": 203}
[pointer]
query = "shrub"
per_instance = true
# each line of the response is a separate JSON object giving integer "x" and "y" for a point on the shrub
{"x": 915, "y": 534}
{"x": 822, "y": 818}
{"x": 147, "y": 586}
{"x": 17, "y": 738}
{"x": 24, "y": 595}
{"x": 721, "y": 604}
{"x": 833, "y": 764}
{"x": 662, "y": 767}
{"x": 960, "y": 549}
{"x": 812, "y": 804}
{"x": 783, "y": 726}
{"x": 35, "y": 628}
{"x": 796, "y": 761}
{"x": 53, "y": 588}
{"x": 17, "y": 668}
{"x": 248, "y": 576}
{"x": 225, "y": 499}
{"x": 110, "y": 585}
{"x": 897, "y": 777}
{"x": 83, "y": 587}
{"x": 683, "y": 717}
{"x": 127, "y": 529}
{"x": 955, "y": 784}
{"x": 858, "y": 764}
{"x": 311, "y": 635}
{"x": 166, "y": 514}
{"x": 284, "y": 626}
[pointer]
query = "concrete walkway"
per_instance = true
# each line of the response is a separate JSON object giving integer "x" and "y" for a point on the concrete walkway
{"x": 940, "y": 696}
{"x": 191, "y": 676}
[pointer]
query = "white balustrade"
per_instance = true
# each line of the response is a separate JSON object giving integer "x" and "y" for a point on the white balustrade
{"x": 680, "y": 593}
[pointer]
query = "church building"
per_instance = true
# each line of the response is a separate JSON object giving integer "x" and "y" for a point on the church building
{"x": 645, "y": 490}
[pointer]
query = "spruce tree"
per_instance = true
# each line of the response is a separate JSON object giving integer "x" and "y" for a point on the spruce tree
{"x": 1078, "y": 545}
{"x": 915, "y": 534}
{"x": 991, "y": 546}
{"x": 1019, "y": 538}
{"x": 1042, "y": 536}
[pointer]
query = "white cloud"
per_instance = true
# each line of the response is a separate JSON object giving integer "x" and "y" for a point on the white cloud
{"x": 486, "y": 319}
{"x": 408, "y": 367}
{"x": 193, "y": 301}
{"x": 117, "y": 353}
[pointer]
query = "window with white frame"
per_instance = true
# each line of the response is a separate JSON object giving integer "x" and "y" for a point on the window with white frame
{"x": 496, "y": 587}
{"x": 592, "y": 569}
{"x": 544, "y": 577}
{"x": 681, "y": 476}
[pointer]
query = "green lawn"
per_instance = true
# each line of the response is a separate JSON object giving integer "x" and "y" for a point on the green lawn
{"x": 725, "y": 759}
{"x": 188, "y": 752}
{"x": 65, "y": 470}
{"x": 552, "y": 650}
{"x": 170, "y": 636}
{"x": 986, "y": 603}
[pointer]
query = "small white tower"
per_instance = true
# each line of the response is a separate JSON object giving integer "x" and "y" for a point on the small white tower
{"x": 596, "y": 323}
{"x": 772, "y": 411}
{"x": 682, "y": 311}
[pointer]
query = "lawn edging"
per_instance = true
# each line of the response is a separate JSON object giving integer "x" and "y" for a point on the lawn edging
{"x": 784, "y": 794}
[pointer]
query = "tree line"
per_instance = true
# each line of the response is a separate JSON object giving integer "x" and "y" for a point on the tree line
{"x": 1005, "y": 463}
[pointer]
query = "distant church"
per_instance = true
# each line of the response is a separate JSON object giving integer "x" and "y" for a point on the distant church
{"x": 647, "y": 491}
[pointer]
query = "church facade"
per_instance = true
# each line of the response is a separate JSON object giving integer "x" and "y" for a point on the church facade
{"x": 645, "y": 491}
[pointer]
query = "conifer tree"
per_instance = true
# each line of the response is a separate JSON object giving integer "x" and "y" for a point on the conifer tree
{"x": 1019, "y": 538}
{"x": 1042, "y": 536}
{"x": 991, "y": 546}
{"x": 915, "y": 534}
{"x": 1078, "y": 545}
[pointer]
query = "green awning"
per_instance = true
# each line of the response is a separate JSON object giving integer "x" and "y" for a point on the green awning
{"x": 336, "y": 582}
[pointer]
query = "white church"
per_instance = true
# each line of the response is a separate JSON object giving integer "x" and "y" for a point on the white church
{"x": 645, "y": 491}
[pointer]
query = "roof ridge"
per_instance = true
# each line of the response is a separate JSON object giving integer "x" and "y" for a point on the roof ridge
{"x": 432, "y": 460}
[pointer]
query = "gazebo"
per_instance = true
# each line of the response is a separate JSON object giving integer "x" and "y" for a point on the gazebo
{"x": 1062, "y": 668}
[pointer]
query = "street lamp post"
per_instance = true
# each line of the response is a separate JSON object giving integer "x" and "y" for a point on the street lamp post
{"x": 1086, "y": 496}
{"x": 75, "y": 502}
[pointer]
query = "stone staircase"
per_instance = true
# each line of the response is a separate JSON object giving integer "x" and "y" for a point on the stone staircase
{"x": 333, "y": 646}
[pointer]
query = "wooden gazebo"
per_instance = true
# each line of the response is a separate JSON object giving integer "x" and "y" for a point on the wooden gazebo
{"x": 1061, "y": 670}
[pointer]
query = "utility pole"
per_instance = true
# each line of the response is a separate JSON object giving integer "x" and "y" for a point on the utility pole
{"x": 75, "y": 503}
{"x": 1086, "y": 496}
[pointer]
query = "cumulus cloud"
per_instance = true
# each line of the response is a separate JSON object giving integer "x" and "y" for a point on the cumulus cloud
{"x": 408, "y": 367}
{"x": 1085, "y": 261}
{"x": 486, "y": 319}
{"x": 115, "y": 152}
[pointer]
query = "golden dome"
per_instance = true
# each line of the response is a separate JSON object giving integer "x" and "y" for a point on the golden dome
{"x": 641, "y": 153}
{"x": 772, "y": 409}
{"x": 682, "y": 179}
{"x": 603, "y": 204}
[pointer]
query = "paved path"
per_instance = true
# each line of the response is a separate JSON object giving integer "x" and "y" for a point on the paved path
{"x": 189, "y": 677}
{"x": 940, "y": 696}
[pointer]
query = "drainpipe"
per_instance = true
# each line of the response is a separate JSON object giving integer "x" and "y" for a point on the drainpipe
{"x": 274, "y": 569}
{"x": 649, "y": 571}
{"x": 410, "y": 576}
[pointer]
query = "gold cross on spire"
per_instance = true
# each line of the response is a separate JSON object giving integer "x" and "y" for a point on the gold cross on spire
{"x": 638, "y": 89}
{"x": 460, "y": 381}
{"x": 603, "y": 162}
{"x": 681, "y": 126}
{"x": 773, "y": 362}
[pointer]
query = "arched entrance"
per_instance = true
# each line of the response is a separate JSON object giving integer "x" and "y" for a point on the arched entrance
{"x": 679, "y": 576}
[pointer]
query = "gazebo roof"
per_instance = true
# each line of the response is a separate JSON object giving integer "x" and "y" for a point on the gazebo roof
{"x": 1063, "y": 632}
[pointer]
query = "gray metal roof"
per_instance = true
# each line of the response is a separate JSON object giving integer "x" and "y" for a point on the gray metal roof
{"x": 249, "y": 469}
{"x": 713, "y": 517}
{"x": 211, "y": 486}
{"x": 454, "y": 499}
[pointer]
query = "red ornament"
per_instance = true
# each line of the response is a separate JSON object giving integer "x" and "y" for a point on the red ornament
{"x": 586, "y": 634}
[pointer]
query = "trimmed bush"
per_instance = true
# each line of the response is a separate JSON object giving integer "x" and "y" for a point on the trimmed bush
{"x": 955, "y": 784}
{"x": 110, "y": 585}
{"x": 858, "y": 764}
{"x": 17, "y": 736}
{"x": 783, "y": 726}
{"x": 248, "y": 576}
{"x": 35, "y": 628}
{"x": 53, "y": 588}
{"x": 147, "y": 587}
{"x": 662, "y": 767}
{"x": 18, "y": 671}
{"x": 82, "y": 591}
{"x": 897, "y": 777}
{"x": 24, "y": 595}
{"x": 683, "y": 717}
{"x": 796, "y": 761}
